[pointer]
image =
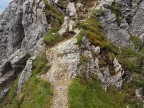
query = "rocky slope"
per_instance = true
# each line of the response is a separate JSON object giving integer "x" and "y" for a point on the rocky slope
{"x": 97, "y": 38}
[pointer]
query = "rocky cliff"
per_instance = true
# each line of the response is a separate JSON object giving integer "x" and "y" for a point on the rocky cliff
{"x": 95, "y": 39}
{"x": 22, "y": 27}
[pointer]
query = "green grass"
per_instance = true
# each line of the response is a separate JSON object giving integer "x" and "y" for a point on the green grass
{"x": 40, "y": 65}
{"x": 36, "y": 94}
{"x": 10, "y": 101}
{"x": 130, "y": 59}
{"x": 136, "y": 41}
{"x": 90, "y": 94}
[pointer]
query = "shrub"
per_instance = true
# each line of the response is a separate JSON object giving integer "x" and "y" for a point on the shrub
{"x": 51, "y": 38}
{"x": 136, "y": 41}
{"x": 40, "y": 64}
{"x": 79, "y": 39}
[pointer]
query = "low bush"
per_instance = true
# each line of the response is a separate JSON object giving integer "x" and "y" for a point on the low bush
{"x": 51, "y": 38}
{"x": 40, "y": 64}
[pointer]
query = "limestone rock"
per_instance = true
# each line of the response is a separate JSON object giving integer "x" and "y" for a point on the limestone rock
{"x": 22, "y": 25}
{"x": 137, "y": 25}
{"x": 114, "y": 33}
{"x": 69, "y": 22}
{"x": 140, "y": 94}
{"x": 71, "y": 9}
{"x": 26, "y": 73}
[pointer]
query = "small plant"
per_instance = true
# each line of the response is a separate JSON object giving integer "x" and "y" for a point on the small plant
{"x": 136, "y": 41}
{"x": 99, "y": 12}
{"x": 79, "y": 39}
{"x": 51, "y": 38}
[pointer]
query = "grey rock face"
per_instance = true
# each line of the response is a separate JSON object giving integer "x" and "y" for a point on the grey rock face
{"x": 140, "y": 94}
{"x": 71, "y": 9}
{"x": 137, "y": 25}
{"x": 132, "y": 23}
{"x": 22, "y": 26}
{"x": 117, "y": 35}
{"x": 128, "y": 7}
{"x": 26, "y": 73}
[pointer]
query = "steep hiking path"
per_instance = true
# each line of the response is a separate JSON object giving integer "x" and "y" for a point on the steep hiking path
{"x": 60, "y": 84}
{"x": 60, "y": 98}
{"x": 63, "y": 58}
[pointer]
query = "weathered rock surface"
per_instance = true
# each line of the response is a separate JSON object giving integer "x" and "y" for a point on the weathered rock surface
{"x": 131, "y": 24}
{"x": 22, "y": 25}
{"x": 137, "y": 25}
{"x": 140, "y": 94}
{"x": 114, "y": 33}
{"x": 26, "y": 73}
{"x": 70, "y": 21}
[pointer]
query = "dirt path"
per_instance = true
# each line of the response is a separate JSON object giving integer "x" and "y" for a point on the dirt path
{"x": 58, "y": 78}
{"x": 60, "y": 97}
{"x": 60, "y": 86}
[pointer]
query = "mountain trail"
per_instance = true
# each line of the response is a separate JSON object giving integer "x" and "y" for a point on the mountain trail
{"x": 60, "y": 82}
